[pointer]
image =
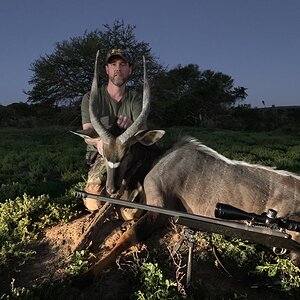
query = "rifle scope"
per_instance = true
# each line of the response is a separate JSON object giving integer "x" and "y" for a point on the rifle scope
{"x": 228, "y": 212}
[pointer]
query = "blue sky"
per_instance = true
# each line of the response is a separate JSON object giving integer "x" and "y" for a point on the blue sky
{"x": 256, "y": 42}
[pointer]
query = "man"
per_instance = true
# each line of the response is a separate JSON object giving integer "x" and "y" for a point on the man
{"x": 116, "y": 101}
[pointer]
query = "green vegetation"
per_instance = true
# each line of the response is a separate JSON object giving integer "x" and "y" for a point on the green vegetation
{"x": 39, "y": 161}
{"x": 39, "y": 168}
{"x": 45, "y": 291}
{"x": 22, "y": 219}
{"x": 154, "y": 285}
{"x": 283, "y": 268}
{"x": 79, "y": 263}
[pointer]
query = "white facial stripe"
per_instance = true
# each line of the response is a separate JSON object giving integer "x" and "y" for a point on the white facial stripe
{"x": 113, "y": 165}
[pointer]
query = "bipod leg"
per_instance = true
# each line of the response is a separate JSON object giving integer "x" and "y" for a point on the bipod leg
{"x": 189, "y": 235}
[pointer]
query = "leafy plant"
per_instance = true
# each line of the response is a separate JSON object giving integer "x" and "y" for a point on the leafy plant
{"x": 154, "y": 285}
{"x": 45, "y": 291}
{"x": 79, "y": 263}
{"x": 22, "y": 219}
{"x": 288, "y": 273}
{"x": 242, "y": 252}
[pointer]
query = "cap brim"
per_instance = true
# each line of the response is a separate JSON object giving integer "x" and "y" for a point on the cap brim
{"x": 116, "y": 55}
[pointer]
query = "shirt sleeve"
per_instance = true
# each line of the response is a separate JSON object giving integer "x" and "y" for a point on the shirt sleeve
{"x": 136, "y": 106}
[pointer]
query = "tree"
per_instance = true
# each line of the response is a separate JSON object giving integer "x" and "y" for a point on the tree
{"x": 188, "y": 96}
{"x": 63, "y": 77}
{"x": 169, "y": 89}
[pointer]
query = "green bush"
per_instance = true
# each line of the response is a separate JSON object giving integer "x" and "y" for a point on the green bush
{"x": 285, "y": 270}
{"x": 22, "y": 219}
{"x": 79, "y": 263}
{"x": 154, "y": 285}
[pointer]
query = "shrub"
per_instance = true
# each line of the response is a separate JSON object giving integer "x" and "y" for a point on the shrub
{"x": 23, "y": 218}
{"x": 154, "y": 285}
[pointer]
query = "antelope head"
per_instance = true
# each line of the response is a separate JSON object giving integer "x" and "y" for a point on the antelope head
{"x": 117, "y": 150}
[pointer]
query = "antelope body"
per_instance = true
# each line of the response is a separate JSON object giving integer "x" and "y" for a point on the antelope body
{"x": 194, "y": 178}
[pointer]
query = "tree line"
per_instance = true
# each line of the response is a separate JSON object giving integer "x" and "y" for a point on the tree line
{"x": 243, "y": 117}
{"x": 184, "y": 95}
{"x": 64, "y": 76}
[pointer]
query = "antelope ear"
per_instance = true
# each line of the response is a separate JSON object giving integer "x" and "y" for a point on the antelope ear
{"x": 149, "y": 137}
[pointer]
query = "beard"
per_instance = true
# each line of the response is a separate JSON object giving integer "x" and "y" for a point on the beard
{"x": 118, "y": 80}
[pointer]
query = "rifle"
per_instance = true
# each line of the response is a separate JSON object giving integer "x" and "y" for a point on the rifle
{"x": 263, "y": 229}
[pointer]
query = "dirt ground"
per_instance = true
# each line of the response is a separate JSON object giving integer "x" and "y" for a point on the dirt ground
{"x": 57, "y": 245}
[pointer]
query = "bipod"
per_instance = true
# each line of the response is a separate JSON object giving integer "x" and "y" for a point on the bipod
{"x": 188, "y": 236}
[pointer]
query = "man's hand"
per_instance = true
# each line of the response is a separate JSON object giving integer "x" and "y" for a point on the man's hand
{"x": 124, "y": 122}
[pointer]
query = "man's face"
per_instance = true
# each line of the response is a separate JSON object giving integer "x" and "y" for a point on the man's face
{"x": 118, "y": 71}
